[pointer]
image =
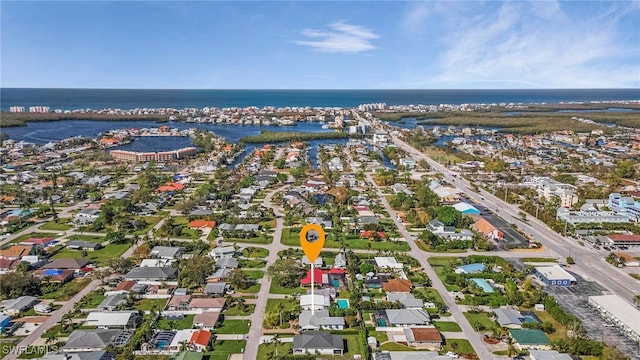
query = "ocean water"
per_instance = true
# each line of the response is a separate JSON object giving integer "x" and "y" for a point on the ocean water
{"x": 70, "y": 99}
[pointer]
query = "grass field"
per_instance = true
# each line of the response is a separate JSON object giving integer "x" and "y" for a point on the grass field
{"x": 233, "y": 327}
{"x": 52, "y": 225}
{"x": 24, "y": 237}
{"x": 255, "y": 252}
{"x": 448, "y": 326}
{"x": 290, "y": 237}
{"x": 101, "y": 257}
{"x": 268, "y": 351}
{"x": 184, "y": 323}
{"x": 222, "y": 349}
{"x": 462, "y": 346}
{"x": 561, "y": 331}
{"x": 538, "y": 259}
{"x": 252, "y": 263}
{"x": 92, "y": 300}
{"x": 275, "y": 289}
{"x": 482, "y": 318}
{"x": 90, "y": 238}
{"x": 148, "y": 304}
{"x": 235, "y": 311}
{"x": 254, "y": 274}
{"x": 391, "y": 346}
{"x": 68, "y": 290}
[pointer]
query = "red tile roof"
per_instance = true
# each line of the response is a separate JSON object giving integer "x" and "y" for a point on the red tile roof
{"x": 397, "y": 285}
{"x": 616, "y": 238}
{"x": 202, "y": 224}
{"x": 125, "y": 285}
{"x": 317, "y": 277}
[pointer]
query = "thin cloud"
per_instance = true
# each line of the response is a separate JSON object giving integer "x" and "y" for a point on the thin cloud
{"x": 546, "y": 50}
{"x": 340, "y": 38}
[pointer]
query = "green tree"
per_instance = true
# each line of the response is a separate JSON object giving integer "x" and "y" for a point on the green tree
{"x": 286, "y": 272}
{"x": 194, "y": 271}
{"x": 116, "y": 237}
{"x": 626, "y": 169}
{"x": 238, "y": 279}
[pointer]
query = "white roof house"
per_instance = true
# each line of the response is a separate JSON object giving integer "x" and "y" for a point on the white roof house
{"x": 116, "y": 319}
{"x": 388, "y": 263}
{"x": 319, "y": 301}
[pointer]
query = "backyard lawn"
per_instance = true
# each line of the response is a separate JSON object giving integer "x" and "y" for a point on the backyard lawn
{"x": 460, "y": 346}
{"x": 254, "y": 274}
{"x": 92, "y": 300}
{"x": 150, "y": 304}
{"x": 90, "y": 238}
{"x": 449, "y": 326}
{"x": 391, "y": 346}
{"x": 255, "y": 252}
{"x": 480, "y": 318}
{"x": 353, "y": 346}
{"x": 52, "y": 225}
{"x": 268, "y": 351}
{"x": 291, "y": 237}
{"x": 233, "y": 327}
{"x": 222, "y": 349}
{"x": 275, "y": 289}
{"x": 180, "y": 324}
{"x": 68, "y": 290}
{"x": 101, "y": 257}
{"x": 235, "y": 311}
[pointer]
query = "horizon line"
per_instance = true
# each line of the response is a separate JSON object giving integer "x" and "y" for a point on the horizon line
{"x": 316, "y": 89}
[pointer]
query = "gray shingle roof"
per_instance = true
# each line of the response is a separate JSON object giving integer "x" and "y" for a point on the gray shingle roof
{"x": 408, "y": 316}
{"x": 318, "y": 319}
{"x": 90, "y": 339}
{"x": 160, "y": 273}
{"x": 508, "y": 316}
{"x": 318, "y": 340}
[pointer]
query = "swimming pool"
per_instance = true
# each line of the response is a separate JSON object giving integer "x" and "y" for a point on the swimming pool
{"x": 342, "y": 303}
{"x": 381, "y": 322}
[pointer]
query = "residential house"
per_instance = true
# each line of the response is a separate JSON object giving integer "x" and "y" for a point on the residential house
{"x": 207, "y": 304}
{"x": 152, "y": 274}
{"x": 227, "y": 262}
{"x": 166, "y": 252}
{"x": 410, "y": 355}
{"x": 340, "y": 261}
{"x": 318, "y": 342}
{"x": 206, "y": 320}
{"x": 95, "y": 340}
{"x": 88, "y": 355}
{"x": 397, "y": 286}
{"x": 509, "y": 318}
{"x": 487, "y": 229}
{"x": 423, "y": 338}
{"x": 316, "y": 263}
{"x": 466, "y": 209}
{"x": 67, "y": 264}
{"x": 470, "y": 268}
{"x": 112, "y": 301}
{"x": 388, "y": 263}
{"x": 407, "y": 300}
{"x": 54, "y": 275}
{"x": 222, "y": 251}
{"x": 528, "y": 338}
{"x": 15, "y": 306}
{"x": 319, "y": 320}
{"x": 200, "y": 340}
{"x": 86, "y": 216}
{"x": 114, "y": 319}
{"x": 179, "y": 303}
{"x": 325, "y": 223}
{"x": 407, "y": 317}
{"x": 216, "y": 288}
{"x": 15, "y": 252}
{"x": 315, "y": 301}
{"x": 82, "y": 245}
{"x": 438, "y": 228}
{"x": 39, "y": 243}
{"x": 548, "y": 355}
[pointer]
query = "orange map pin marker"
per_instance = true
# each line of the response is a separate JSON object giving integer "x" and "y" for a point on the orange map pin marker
{"x": 312, "y": 248}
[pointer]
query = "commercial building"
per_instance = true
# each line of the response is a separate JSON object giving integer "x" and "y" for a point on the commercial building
{"x": 589, "y": 216}
{"x": 623, "y": 240}
{"x": 555, "y": 276}
{"x": 619, "y": 312}
{"x": 161, "y": 156}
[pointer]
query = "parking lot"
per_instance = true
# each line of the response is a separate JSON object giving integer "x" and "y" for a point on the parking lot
{"x": 574, "y": 300}
{"x": 511, "y": 238}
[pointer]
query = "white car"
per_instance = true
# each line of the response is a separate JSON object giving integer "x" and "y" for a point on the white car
{"x": 452, "y": 355}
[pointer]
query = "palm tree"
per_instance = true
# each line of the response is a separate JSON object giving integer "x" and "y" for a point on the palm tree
{"x": 636, "y": 300}
{"x": 511, "y": 349}
{"x": 276, "y": 341}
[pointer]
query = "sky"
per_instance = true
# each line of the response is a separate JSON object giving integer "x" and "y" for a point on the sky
{"x": 320, "y": 45}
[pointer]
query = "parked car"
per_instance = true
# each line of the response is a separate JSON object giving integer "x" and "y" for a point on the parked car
{"x": 452, "y": 355}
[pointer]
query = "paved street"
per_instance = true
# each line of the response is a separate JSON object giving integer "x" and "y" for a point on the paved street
{"x": 251, "y": 351}
{"x": 473, "y": 337}
{"x": 588, "y": 261}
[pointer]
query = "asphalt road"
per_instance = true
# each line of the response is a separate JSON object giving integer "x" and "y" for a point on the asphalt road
{"x": 588, "y": 261}
{"x": 473, "y": 337}
{"x": 255, "y": 331}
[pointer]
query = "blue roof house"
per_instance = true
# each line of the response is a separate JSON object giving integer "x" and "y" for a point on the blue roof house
{"x": 466, "y": 209}
{"x": 470, "y": 268}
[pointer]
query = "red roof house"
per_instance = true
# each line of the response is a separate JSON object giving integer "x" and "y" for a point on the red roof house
{"x": 319, "y": 278}
{"x": 200, "y": 339}
{"x": 201, "y": 224}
